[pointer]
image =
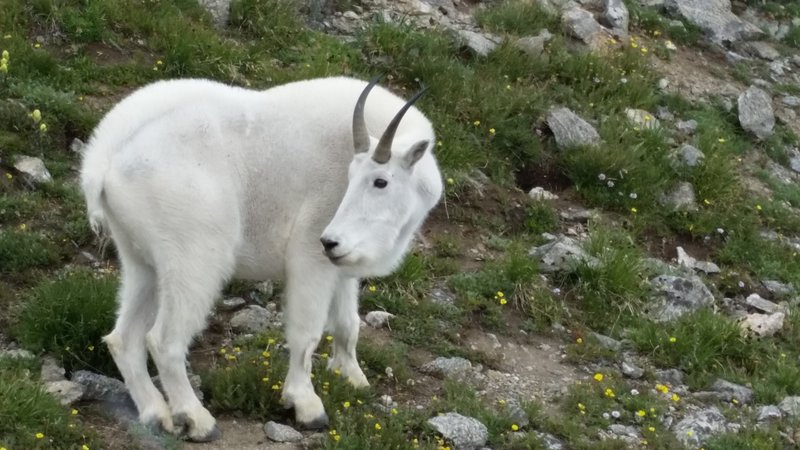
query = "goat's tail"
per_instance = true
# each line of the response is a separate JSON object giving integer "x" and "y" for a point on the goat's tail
{"x": 93, "y": 173}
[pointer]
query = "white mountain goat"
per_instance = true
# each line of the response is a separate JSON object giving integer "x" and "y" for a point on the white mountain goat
{"x": 199, "y": 182}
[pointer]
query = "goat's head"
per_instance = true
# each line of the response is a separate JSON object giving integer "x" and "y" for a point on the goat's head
{"x": 383, "y": 203}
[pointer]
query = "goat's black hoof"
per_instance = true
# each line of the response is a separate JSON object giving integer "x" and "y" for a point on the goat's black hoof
{"x": 318, "y": 423}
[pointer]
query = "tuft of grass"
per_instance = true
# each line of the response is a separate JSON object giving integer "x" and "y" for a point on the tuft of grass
{"x": 22, "y": 250}
{"x": 32, "y": 418}
{"x": 519, "y": 18}
{"x": 540, "y": 218}
{"x": 68, "y": 316}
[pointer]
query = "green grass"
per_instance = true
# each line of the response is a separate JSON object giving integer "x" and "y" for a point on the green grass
{"x": 32, "y": 418}
{"x": 21, "y": 250}
{"x": 68, "y": 316}
{"x": 518, "y": 18}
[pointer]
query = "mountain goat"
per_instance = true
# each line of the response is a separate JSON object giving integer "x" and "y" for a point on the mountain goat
{"x": 198, "y": 183}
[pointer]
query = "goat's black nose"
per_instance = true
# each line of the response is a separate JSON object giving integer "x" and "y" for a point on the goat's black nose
{"x": 328, "y": 244}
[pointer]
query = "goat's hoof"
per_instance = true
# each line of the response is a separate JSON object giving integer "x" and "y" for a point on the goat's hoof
{"x": 318, "y": 423}
{"x": 185, "y": 426}
{"x": 212, "y": 435}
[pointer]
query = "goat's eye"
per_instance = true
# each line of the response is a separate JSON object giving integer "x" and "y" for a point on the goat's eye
{"x": 380, "y": 183}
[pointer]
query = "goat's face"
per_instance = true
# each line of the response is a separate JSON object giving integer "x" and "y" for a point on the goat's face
{"x": 369, "y": 232}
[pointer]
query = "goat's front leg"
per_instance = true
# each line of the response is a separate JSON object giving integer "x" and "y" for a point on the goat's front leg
{"x": 344, "y": 323}
{"x": 308, "y": 296}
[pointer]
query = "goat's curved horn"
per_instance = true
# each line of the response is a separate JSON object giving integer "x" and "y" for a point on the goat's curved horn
{"x": 360, "y": 133}
{"x": 384, "y": 149}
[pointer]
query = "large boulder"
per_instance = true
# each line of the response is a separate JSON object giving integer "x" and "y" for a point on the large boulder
{"x": 715, "y": 18}
{"x": 755, "y": 112}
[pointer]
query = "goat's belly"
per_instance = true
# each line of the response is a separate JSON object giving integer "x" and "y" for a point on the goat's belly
{"x": 267, "y": 266}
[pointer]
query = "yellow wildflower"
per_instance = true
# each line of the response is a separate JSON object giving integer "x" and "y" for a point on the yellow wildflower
{"x": 372, "y": 288}
{"x": 324, "y": 356}
{"x": 450, "y": 181}
{"x": 23, "y": 227}
{"x": 477, "y": 123}
{"x": 598, "y": 376}
{"x": 346, "y": 405}
{"x": 661, "y": 388}
{"x": 579, "y": 340}
{"x": 651, "y": 429}
{"x": 36, "y": 115}
{"x": 39, "y": 435}
{"x": 721, "y": 140}
{"x": 3, "y": 68}
{"x": 84, "y": 447}
{"x": 643, "y": 49}
{"x": 609, "y": 393}
{"x": 395, "y": 411}
{"x": 758, "y": 207}
{"x": 90, "y": 348}
{"x": 265, "y": 379}
{"x": 43, "y": 127}
{"x": 641, "y": 413}
{"x": 328, "y": 338}
{"x": 503, "y": 301}
{"x": 514, "y": 427}
{"x": 265, "y": 354}
{"x": 501, "y": 402}
{"x": 675, "y": 397}
{"x": 159, "y": 62}
{"x": 378, "y": 426}
{"x": 74, "y": 412}
{"x": 491, "y": 130}
{"x": 37, "y": 45}
{"x": 673, "y": 339}
{"x": 5, "y": 55}
{"x": 275, "y": 387}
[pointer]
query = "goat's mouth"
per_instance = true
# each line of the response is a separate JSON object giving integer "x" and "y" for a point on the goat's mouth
{"x": 336, "y": 259}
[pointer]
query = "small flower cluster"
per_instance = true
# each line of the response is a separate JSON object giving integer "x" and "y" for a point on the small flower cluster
{"x": 36, "y": 117}
{"x": 500, "y": 297}
{"x": 4, "y": 61}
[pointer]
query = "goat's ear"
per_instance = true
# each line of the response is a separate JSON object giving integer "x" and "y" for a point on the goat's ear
{"x": 415, "y": 153}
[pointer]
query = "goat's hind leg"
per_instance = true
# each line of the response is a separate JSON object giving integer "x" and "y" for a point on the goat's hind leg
{"x": 186, "y": 295}
{"x": 344, "y": 323}
{"x": 126, "y": 343}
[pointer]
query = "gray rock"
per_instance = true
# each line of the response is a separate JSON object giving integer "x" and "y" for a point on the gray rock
{"x": 624, "y": 431}
{"x": 220, "y": 10}
{"x": 690, "y": 156}
{"x": 631, "y": 370}
{"x": 642, "y": 119}
{"x": 561, "y": 254}
{"x": 447, "y": 367}
{"x": 279, "y": 432}
{"x": 534, "y": 45}
{"x": 732, "y": 391}
{"x": 442, "y": 296}
{"x": 790, "y": 406}
{"x": 230, "y": 304}
{"x": 697, "y": 427}
{"x": 570, "y": 130}
{"x": 16, "y": 353}
{"x": 580, "y": 24}
{"x": 605, "y": 341}
{"x": 680, "y": 198}
{"x": 778, "y": 289}
{"x": 65, "y": 391}
{"x": 540, "y": 194}
{"x": 715, "y": 18}
{"x": 549, "y": 441}
{"x": 763, "y": 50}
{"x": 755, "y": 112}
{"x": 687, "y": 126}
{"x": 688, "y": 261}
{"x": 679, "y": 295}
{"x": 791, "y": 100}
{"x": 573, "y": 214}
{"x": 761, "y": 304}
{"x": 466, "y": 433}
{"x": 769, "y": 413}
{"x": 763, "y": 325}
{"x": 100, "y": 387}
{"x": 794, "y": 161}
{"x": 32, "y": 169}
{"x": 616, "y": 15}
{"x": 252, "y": 319}
{"x": 672, "y": 377}
{"x": 517, "y": 414}
{"x": 378, "y": 319}
{"x": 480, "y": 43}
{"x": 51, "y": 370}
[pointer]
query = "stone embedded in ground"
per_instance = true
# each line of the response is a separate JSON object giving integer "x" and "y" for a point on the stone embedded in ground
{"x": 480, "y": 43}
{"x": 732, "y": 391}
{"x": 16, "y": 353}
{"x": 768, "y": 413}
{"x": 252, "y": 319}
{"x": 100, "y": 387}
{"x": 697, "y": 427}
{"x": 580, "y": 24}
{"x": 790, "y": 406}
{"x": 680, "y": 198}
{"x": 616, "y": 15}
{"x": 466, "y": 433}
{"x": 447, "y": 367}
{"x": 642, "y": 119}
{"x": 687, "y": 126}
{"x": 778, "y": 289}
{"x": 534, "y": 45}
{"x": 631, "y": 370}
{"x": 572, "y": 214}
{"x": 230, "y": 304}
{"x": 378, "y": 319}
{"x": 690, "y": 156}
{"x": 761, "y": 49}
{"x": 679, "y": 295}
{"x": 762, "y": 325}
{"x": 51, "y": 370}
{"x": 672, "y": 377}
{"x": 606, "y": 341}
{"x": 561, "y": 254}
{"x": 32, "y": 169}
{"x": 65, "y": 391}
{"x": 279, "y": 432}
{"x": 688, "y": 261}
{"x": 219, "y": 10}
{"x": 442, "y": 296}
{"x": 755, "y": 112}
{"x": 715, "y": 18}
{"x": 549, "y": 441}
{"x": 627, "y": 433}
{"x": 539, "y": 193}
{"x": 266, "y": 288}
{"x": 570, "y": 130}
{"x": 517, "y": 414}
{"x": 761, "y": 304}
{"x": 791, "y": 101}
